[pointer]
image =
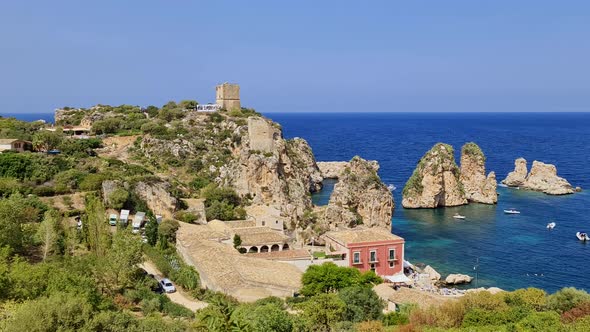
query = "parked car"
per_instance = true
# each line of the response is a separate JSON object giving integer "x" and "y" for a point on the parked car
{"x": 167, "y": 285}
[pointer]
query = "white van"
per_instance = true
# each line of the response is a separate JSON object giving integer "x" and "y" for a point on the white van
{"x": 138, "y": 222}
{"x": 124, "y": 217}
{"x": 113, "y": 219}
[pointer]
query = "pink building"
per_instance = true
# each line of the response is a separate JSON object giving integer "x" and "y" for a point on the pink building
{"x": 374, "y": 249}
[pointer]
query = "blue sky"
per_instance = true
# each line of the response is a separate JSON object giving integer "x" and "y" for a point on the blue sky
{"x": 298, "y": 55}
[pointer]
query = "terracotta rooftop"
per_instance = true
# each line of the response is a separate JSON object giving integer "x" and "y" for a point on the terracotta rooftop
{"x": 357, "y": 235}
{"x": 283, "y": 255}
{"x": 9, "y": 140}
{"x": 259, "y": 235}
{"x": 223, "y": 268}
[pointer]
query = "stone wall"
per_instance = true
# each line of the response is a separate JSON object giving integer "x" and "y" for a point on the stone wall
{"x": 261, "y": 134}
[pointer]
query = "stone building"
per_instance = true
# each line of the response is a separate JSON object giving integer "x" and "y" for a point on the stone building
{"x": 227, "y": 96}
{"x": 13, "y": 144}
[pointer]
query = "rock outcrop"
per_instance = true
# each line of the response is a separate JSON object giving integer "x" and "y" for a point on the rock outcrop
{"x": 157, "y": 197}
{"x": 333, "y": 169}
{"x": 434, "y": 276}
{"x": 456, "y": 279}
{"x": 435, "y": 181}
{"x": 542, "y": 177}
{"x": 359, "y": 197}
{"x": 518, "y": 176}
{"x": 478, "y": 188}
{"x": 279, "y": 173}
{"x": 179, "y": 148}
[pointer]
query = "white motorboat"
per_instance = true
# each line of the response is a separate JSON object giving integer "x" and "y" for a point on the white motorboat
{"x": 582, "y": 236}
{"x": 391, "y": 187}
{"x": 458, "y": 216}
{"x": 512, "y": 211}
{"x": 502, "y": 185}
{"x": 551, "y": 225}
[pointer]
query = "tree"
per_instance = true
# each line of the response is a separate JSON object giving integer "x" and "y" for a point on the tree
{"x": 14, "y": 213}
{"x": 362, "y": 304}
{"x": 329, "y": 277}
{"x": 167, "y": 230}
{"x": 237, "y": 241}
{"x": 118, "y": 198}
{"x": 322, "y": 311}
{"x": 45, "y": 140}
{"x": 116, "y": 270}
{"x": 48, "y": 233}
{"x": 151, "y": 230}
{"x": 96, "y": 227}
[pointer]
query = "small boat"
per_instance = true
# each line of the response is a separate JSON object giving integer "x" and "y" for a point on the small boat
{"x": 551, "y": 225}
{"x": 502, "y": 185}
{"x": 458, "y": 216}
{"x": 391, "y": 187}
{"x": 512, "y": 211}
{"x": 582, "y": 236}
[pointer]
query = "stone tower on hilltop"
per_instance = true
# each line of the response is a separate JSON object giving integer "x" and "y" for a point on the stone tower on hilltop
{"x": 228, "y": 96}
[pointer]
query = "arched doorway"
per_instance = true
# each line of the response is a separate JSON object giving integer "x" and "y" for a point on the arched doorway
{"x": 275, "y": 247}
{"x": 253, "y": 249}
{"x": 285, "y": 246}
{"x": 264, "y": 248}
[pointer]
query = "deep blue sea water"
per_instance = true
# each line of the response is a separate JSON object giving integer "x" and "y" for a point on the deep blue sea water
{"x": 513, "y": 251}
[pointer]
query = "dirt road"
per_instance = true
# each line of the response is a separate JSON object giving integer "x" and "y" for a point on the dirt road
{"x": 178, "y": 296}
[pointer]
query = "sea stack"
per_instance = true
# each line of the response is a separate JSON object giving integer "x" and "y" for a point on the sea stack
{"x": 478, "y": 188}
{"x": 518, "y": 176}
{"x": 435, "y": 181}
{"x": 542, "y": 177}
{"x": 360, "y": 197}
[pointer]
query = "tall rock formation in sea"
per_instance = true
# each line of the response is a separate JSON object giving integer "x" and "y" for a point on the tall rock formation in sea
{"x": 435, "y": 181}
{"x": 542, "y": 177}
{"x": 478, "y": 188}
{"x": 359, "y": 197}
{"x": 518, "y": 176}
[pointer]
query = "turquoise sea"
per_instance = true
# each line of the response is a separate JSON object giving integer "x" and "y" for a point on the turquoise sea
{"x": 513, "y": 251}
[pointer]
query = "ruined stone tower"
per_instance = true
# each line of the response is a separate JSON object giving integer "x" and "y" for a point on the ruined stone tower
{"x": 228, "y": 96}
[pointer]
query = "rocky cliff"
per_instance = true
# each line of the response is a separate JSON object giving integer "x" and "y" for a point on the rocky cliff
{"x": 331, "y": 169}
{"x": 281, "y": 175}
{"x": 156, "y": 195}
{"x": 542, "y": 177}
{"x": 359, "y": 197}
{"x": 478, "y": 188}
{"x": 435, "y": 181}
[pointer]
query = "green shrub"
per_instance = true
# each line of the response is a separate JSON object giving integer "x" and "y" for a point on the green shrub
{"x": 176, "y": 310}
{"x": 395, "y": 318}
{"x": 540, "y": 322}
{"x": 186, "y": 216}
{"x": 91, "y": 182}
{"x": 44, "y": 190}
{"x": 566, "y": 299}
{"x": 187, "y": 277}
{"x": 151, "y": 306}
